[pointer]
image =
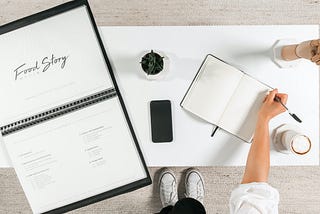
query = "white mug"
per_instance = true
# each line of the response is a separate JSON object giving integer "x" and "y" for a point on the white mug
{"x": 296, "y": 142}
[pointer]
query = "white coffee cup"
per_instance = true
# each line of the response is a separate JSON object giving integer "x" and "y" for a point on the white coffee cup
{"x": 296, "y": 142}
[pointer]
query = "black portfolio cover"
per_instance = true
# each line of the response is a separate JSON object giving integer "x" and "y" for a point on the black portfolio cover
{"x": 66, "y": 7}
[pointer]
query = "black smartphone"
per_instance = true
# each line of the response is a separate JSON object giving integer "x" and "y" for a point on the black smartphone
{"x": 161, "y": 121}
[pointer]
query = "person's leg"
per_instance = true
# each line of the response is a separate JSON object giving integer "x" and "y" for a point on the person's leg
{"x": 194, "y": 185}
{"x": 188, "y": 206}
{"x": 193, "y": 204}
{"x": 166, "y": 210}
{"x": 168, "y": 190}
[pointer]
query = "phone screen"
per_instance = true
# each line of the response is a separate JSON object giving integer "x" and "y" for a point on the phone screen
{"x": 161, "y": 121}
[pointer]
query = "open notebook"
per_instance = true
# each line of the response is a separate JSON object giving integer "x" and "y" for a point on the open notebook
{"x": 226, "y": 97}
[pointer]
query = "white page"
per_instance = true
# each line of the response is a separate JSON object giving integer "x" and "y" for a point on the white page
{"x": 241, "y": 113}
{"x": 212, "y": 89}
{"x": 76, "y": 156}
{"x": 82, "y": 72}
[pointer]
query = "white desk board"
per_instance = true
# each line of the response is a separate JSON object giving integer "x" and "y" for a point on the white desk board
{"x": 248, "y": 48}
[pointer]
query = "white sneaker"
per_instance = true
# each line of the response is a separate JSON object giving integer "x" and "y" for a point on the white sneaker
{"x": 168, "y": 188}
{"x": 194, "y": 185}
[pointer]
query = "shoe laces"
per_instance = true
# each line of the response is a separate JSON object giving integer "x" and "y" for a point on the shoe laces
{"x": 195, "y": 190}
{"x": 169, "y": 190}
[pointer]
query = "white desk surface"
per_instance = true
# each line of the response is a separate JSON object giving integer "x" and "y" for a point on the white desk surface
{"x": 248, "y": 48}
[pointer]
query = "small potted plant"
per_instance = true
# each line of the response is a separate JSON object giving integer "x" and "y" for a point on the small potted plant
{"x": 154, "y": 65}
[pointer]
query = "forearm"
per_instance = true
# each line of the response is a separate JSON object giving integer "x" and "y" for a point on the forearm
{"x": 258, "y": 161}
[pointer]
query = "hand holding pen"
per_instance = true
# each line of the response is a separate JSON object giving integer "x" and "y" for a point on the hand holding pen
{"x": 277, "y": 99}
{"x": 274, "y": 104}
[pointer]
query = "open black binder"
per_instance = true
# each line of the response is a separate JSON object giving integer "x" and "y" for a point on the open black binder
{"x": 74, "y": 105}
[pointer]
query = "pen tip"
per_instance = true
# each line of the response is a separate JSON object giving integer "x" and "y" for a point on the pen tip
{"x": 296, "y": 118}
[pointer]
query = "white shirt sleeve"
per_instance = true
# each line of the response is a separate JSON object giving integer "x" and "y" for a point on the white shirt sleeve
{"x": 254, "y": 198}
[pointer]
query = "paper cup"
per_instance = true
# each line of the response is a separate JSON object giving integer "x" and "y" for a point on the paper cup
{"x": 296, "y": 142}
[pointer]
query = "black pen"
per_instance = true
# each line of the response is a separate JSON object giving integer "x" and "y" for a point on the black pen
{"x": 277, "y": 99}
{"x": 214, "y": 131}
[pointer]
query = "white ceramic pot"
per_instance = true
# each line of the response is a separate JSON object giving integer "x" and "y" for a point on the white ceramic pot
{"x": 162, "y": 73}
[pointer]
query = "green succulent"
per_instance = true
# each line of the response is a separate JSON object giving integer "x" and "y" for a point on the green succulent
{"x": 152, "y": 63}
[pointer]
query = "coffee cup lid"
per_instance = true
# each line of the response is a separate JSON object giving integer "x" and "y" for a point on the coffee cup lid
{"x": 301, "y": 144}
{"x": 277, "y": 136}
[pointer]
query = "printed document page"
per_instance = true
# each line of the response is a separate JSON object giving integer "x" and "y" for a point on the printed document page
{"x": 73, "y": 157}
{"x": 49, "y": 63}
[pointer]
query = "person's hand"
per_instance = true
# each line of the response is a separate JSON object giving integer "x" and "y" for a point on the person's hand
{"x": 308, "y": 50}
{"x": 315, "y": 46}
{"x": 271, "y": 108}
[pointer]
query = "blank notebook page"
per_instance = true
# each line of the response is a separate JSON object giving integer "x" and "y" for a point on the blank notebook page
{"x": 212, "y": 89}
{"x": 241, "y": 113}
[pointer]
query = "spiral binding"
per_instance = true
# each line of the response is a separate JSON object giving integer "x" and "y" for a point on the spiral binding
{"x": 58, "y": 111}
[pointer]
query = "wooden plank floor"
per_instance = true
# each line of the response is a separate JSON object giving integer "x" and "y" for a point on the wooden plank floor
{"x": 299, "y": 187}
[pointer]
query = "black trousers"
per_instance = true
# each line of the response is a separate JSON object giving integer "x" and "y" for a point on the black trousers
{"x": 185, "y": 206}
